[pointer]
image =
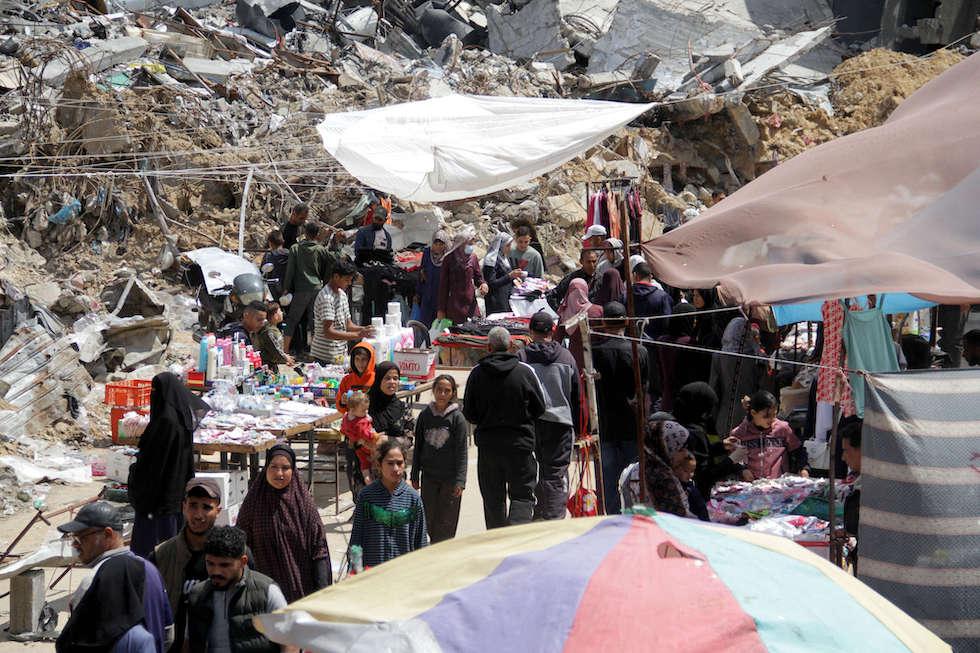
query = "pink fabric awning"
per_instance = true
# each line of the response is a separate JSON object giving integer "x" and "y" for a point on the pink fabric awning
{"x": 895, "y": 208}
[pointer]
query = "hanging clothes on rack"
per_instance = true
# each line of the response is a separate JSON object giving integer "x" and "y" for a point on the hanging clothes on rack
{"x": 869, "y": 347}
{"x": 832, "y": 383}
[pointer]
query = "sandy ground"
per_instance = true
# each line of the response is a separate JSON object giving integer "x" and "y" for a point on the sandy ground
{"x": 337, "y": 528}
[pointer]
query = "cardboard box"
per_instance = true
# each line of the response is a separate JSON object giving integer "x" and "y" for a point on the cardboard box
{"x": 117, "y": 462}
{"x": 228, "y": 515}
{"x": 416, "y": 363}
{"x": 228, "y": 484}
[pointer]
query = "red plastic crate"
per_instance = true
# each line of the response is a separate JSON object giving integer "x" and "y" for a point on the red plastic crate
{"x": 129, "y": 394}
{"x": 115, "y": 415}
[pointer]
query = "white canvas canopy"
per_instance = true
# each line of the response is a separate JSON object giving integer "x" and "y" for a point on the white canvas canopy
{"x": 461, "y": 146}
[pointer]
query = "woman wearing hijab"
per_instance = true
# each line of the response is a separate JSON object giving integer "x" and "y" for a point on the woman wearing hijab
{"x": 575, "y": 302}
{"x": 427, "y": 294}
{"x": 459, "y": 280}
{"x": 665, "y": 443}
{"x": 389, "y": 414}
{"x": 284, "y": 529}
{"x": 694, "y": 409}
{"x": 164, "y": 462}
{"x": 678, "y": 367}
{"x": 611, "y": 287}
{"x": 498, "y": 274}
{"x": 734, "y": 377}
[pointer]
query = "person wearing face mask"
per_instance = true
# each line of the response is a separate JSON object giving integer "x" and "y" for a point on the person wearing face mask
{"x": 430, "y": 274}
{"x": 499, "y": 275}
{"x": 372, "y": 246}
{"x": 460, "y": 280}
{"x": 122, "y": 606}
{"x": 773, "y": 448}
{"x": 284, "y": 528}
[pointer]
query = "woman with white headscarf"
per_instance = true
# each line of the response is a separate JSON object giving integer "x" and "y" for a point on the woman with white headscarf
{"x": 499, "y": 275}
{"x": 427, "y": 295}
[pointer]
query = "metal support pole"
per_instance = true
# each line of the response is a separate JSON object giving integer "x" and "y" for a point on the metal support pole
{"x": 639, "y": 390}
{"x": 835, "y": 553}
{"x": 589, "y": 374}
{"x": 241, "y": 216}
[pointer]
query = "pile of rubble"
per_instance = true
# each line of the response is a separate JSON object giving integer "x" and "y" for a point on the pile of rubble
{"x": 131, "y": 132}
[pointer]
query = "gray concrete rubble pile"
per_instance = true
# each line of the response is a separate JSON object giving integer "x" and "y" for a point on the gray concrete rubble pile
{"x": 128, "y": 129}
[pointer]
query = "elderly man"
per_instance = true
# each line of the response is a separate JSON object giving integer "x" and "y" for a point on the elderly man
{"x": 122, "y": 606}
{"x": 503, "y": 398}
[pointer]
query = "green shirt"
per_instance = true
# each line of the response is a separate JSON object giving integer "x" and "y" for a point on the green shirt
{"x": 308, "y": 268}
{"x": 268, "y": 342}
{"x": 535, "y": 266}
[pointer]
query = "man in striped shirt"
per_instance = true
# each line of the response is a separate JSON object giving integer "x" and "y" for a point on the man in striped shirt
{"x": 333, "y": 328}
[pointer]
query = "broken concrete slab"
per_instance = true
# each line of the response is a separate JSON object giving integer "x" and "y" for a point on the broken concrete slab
{"x": 668, "y": 27}
{"x": 743, "y": 122}
{"x": 533, "y": 32}
{"x": 45, "y": 293}
{"x": 143, "y": 5}
{"x": 566, "y": 210}
{"x": 99, "y": 56}
{"x": 217, "y": 70}
{"x": 183, "y": 45}
{"x": 779, "y": 54}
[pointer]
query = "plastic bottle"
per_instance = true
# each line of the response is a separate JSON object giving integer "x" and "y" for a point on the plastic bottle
{"x": 202, "y": 356}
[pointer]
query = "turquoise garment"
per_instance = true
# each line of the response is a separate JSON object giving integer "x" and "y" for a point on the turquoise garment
{"x": 870, "y": 348}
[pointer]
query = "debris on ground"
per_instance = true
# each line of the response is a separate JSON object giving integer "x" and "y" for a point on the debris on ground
{"x": 128, "y": 129}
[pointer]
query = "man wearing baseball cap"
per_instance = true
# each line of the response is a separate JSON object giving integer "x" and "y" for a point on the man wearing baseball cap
{"x": 554, "y": 430}
{"x": 595, "y": 236}
{"x": 122, "y": 604}
{"x": 181, "y": 558}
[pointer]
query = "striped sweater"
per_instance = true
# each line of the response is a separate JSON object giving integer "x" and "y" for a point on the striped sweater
{"x": 382, "y": 542}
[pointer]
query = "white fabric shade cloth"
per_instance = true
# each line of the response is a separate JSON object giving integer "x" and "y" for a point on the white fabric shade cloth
{"x": 462, "y": 146}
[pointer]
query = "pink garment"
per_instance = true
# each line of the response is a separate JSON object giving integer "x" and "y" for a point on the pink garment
{"x": 838, "y": 221}
{"x": 767, "y": 450}
{"x": 576, "y": 300}
{"x": 832, "y": 384}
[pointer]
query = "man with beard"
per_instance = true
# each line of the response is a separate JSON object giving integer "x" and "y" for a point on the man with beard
{"x": 181, "y": 558}
{"x": 220, "y": 609}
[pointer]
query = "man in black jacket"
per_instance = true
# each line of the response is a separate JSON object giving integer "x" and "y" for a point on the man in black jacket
{"x": 616, "y": 397}
{"x": 555, "y": 430}
{"x": 587, "y": 264}
{"x": 503, "y": 398}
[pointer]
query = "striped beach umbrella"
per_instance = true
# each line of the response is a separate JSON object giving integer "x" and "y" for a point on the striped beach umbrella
{"x": 641, "y": 582}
